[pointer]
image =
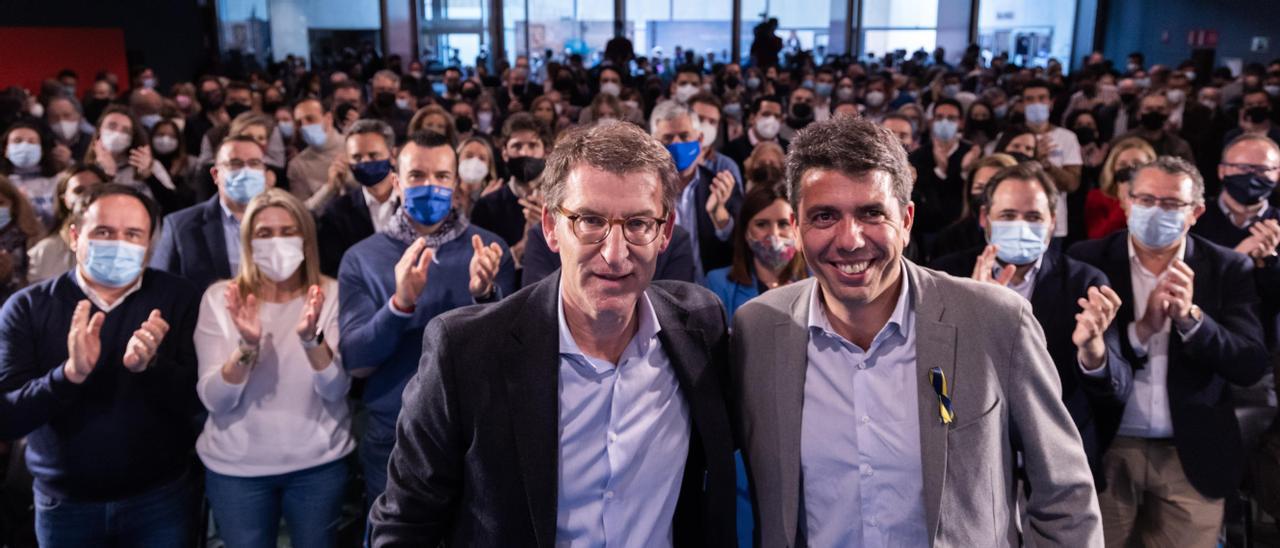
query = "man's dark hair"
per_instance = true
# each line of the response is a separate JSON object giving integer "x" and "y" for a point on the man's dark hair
{"x": 689, "y": 68}
{"x": 949, "y": 101}
{"x": 758, "y": 101}
{"x": 706, "y": 99}
{"x": 853, "y": 146}
{"x": 100, "y": 191}
{"x": 1025, "y": 171}
{"x": 523, "y": 121}
{"x": 1037, "y": 83}
{"x": 426, "y": 138}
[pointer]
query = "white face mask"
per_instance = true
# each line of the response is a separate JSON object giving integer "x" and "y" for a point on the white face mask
{"x": 685, "y": 92}
{"x": 278, "y": 258}
{"x": 165, "y": 144}
{"x": 767, "y": 127}
{"x": 472, "y": 170}
{"x": 708, "y": 134}
{"x": 115, "y": 141}
{"x": 67, "y": 129}
{"x": 610, "y": 88}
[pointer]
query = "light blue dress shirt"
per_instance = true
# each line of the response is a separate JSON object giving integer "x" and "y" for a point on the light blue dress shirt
{"x": 624, "y": 440}
{"x": 862, "y": 480}
{"x": 687, "y": 213}
{"x": 231, "y": 235}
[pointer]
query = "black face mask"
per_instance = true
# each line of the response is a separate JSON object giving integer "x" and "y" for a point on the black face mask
{"x": 1123, "y": 175}
{"x": 463, "y": 124}
{"x": 564, "y": 85}
{"x": 986, "y": 127}
{"x": 732, "y": 82}
{"x": 526, "y": 169}
{"x": 1153, "y": 121}
{"x": 471, "y": 93}
{"x": 1020, "y": 157}
{"x": 93, "y": 109}
{"x": 765, "y": 174}
{"x": 236, "y": 109}
{"x": 1257, "y": 115}
{"x": 272, "y": 107}
{"x": 976, "y": 201}
{"x": 384, "y": 100}
{"x": 1248, "y": 188}
{"x": 801, "y": 115}
{"x": 1086, "y": 135}
{"x": 1128, "y": 98}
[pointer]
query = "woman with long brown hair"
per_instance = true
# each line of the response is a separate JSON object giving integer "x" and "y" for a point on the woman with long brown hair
{"x": 19, "y": 231}
{"x": 765, "y": 252}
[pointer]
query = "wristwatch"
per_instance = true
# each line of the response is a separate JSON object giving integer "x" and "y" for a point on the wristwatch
{"x": 248, "y": 355}
{"x": 1196, "y": 316}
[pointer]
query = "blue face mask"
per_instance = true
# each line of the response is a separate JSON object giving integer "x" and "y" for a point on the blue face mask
{"x": 945, "y": 130}
{"x": 1154, "y": 227}
{"x": 1037, "y": 114}
{"x": 149, "y": 120}
{"x": 684, "y": 154}
{"x": 114, "y": 263}
{"x": 428, "y": 204}
{"x": 1019, "y": 242}
{"x": 286, "y": 130}
{"x": 314, "y": 135}
{"x": 245, "y": 183}
{"x": 372, "y": 172}
{"x": 23, "y": 155}
{"x": 824, "y": 89}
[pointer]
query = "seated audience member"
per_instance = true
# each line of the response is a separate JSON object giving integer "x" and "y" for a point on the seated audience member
{"x": 515, "y": 206}
{"x": 1191, "y": 327}
{"x": 1071, "y": 300}
{"x": 1153, "y": 127}
{"x": 311, "y": 170}
{"x": 384, "y": 85}
{"x": 52, "y": 255}
{"x": 764, "y": 121}
{"x": 940, "y": 166}
{"x": 477, "y": 172}
{"x": 122, "y": 150}
{"x": 429, "y": 260}
{"x": 167, "y": 148}
{"x": 30, "y": 167}
{"x": 99, "y": 366}
{"x": 201, "y": 243}
{"x": 1256, "y": 116}
{"x": 19, "y": 232}
{"x": 966, "y": 232}
{"x": 1102, "y": 211}
{"x": 71, "y": 131}
{"x": 764, "y": 251}
{"x": 707, "y": 200}
{"x": 710, "y": 114}
{"x": 346, "y": 220}
{"x": 1057, "y": 149}
{"x": 279, "y": 428}
{"x": 903, "y": 128}
{"x": 764, "y": 168}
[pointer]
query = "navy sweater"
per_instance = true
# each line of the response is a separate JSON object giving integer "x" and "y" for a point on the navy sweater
{"x": 118, "y": 434}
{"x": 374, "y": 337}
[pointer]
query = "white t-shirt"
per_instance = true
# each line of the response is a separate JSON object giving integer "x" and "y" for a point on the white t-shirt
{"x": 286, "y": 416}
{"x": 1066, "y": 154}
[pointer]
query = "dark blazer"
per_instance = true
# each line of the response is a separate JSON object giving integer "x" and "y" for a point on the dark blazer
{"x": 342, "y": 223}
{"x": 1059, "y": 282}
{"x": 711, "y": 251}
{"x": 192, "y": 245}
{"x": 676, "y": 263}
{"x": 477, "y": 444}
{"x": 1227, "y": 348}
{"x": 500, "y": 212}
{"x": 1215, "y": 227}
{"x": 939, "y": 200}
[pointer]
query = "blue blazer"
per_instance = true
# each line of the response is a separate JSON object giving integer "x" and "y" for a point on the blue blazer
{"x": 192, "y": 245}
{"x": 1059, "y": 282}
{"x": 731, "y": 293}
{"x": 1227, "y": 348}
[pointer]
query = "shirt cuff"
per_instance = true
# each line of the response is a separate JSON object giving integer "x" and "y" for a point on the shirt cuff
{"x": 1098, "y": 373}
{"x": 1187, "y": 335}
{"x": 1139, "y": 347}
{"x": 396, "y": 311}
{"x": 723, "y": 234}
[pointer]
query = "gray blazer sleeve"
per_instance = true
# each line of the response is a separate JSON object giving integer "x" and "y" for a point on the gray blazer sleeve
{"x": 1063, "y": 506}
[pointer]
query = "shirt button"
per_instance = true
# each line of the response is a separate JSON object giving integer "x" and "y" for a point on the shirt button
{"x": 608, "y": 495}
{"x": 612, "y": 437}
{"x": 866, "y": 469}
{"x": 866, "y": 419}
{"x": 873, "y": 523}
{"x": 862, "y": 365}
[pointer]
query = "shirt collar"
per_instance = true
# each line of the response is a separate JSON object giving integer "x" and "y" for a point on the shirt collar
{"x": 1226, "y": 212}
{"x": 898, "y": 321}
{"x": 97, "y": 300}
{"x": 227, "y": 214}
{"x": 645, "y": 333}
{"x": 1133, "y": 253}
{"x": 1031, "y": 274}
{"x": 372, "y": 201}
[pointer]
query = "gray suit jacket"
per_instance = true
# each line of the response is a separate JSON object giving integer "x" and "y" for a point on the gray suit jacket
{"x": 1005, "y": 394}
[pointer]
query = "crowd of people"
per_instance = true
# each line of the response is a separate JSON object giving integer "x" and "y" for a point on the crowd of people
{"x": 890, "y": 302}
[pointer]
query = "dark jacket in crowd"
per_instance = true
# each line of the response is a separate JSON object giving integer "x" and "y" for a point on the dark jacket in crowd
{"x": 939, "y": 200}
{"x": 343, "y": 223}
{"x": 500, "y": 212}
{"x": 118, "y": 434}
{"x": 1227, "y": 348}
{"x": 1217, "y": 228}
{"x": 192, "y": 245}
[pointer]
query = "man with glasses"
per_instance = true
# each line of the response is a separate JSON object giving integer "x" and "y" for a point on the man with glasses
{"x": 1190, "y": 327}
{"x": 202, "y": 243}
{"x": 587, "y": 409}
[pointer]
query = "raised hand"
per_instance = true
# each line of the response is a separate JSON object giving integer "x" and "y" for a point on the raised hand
{"x": 104, "y": 159}
{"x": 310, "y": 317}
{"x": 142, "y": 346}
{"x": 140, "y": 158}
{"x": 84, "y": 345}
{"x": 986, "y": 263}
{"x": 485, "y": 261}
{"x": 411, "y": 274}
{"x": 244, "y": 314}
{"x": 1098, "y": 310}
{"x": 718, "y": 199}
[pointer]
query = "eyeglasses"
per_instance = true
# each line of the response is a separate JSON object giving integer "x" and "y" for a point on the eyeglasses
{"x": 1167, "y": 204}
{"x": 1253, "y": 169}
{"x": 593, "y": 229}
{"x": 241, "y": 164}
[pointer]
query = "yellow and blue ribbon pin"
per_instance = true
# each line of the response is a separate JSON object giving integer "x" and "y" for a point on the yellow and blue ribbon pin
{"x": 939, "y": 382}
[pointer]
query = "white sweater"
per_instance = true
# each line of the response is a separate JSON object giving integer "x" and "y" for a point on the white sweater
{"x": 286, "y": 416}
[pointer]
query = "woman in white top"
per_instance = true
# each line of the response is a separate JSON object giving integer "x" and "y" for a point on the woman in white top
{"x": 279, "y": 426}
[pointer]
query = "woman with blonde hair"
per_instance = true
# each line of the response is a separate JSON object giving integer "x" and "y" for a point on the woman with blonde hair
{"x": 477, "y": 172}
{"x": 279, "y": 428}
{"x": 20, "y": 229}
{"x": 1102, "y": 212}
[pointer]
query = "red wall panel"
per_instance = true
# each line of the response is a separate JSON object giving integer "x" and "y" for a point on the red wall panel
{"x": 36, "y": 53}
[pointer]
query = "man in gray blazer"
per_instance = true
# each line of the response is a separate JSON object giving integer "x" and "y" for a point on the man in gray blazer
{"x": 882, "y": 404}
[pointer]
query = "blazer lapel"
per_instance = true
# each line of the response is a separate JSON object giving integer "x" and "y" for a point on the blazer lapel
{"x": 790, "y": 361}
{"x": 362, "y": 209}
{"x": 935, "y": 347}
{"x": 215, "y": 240}
{"x": 533, "y": 379}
